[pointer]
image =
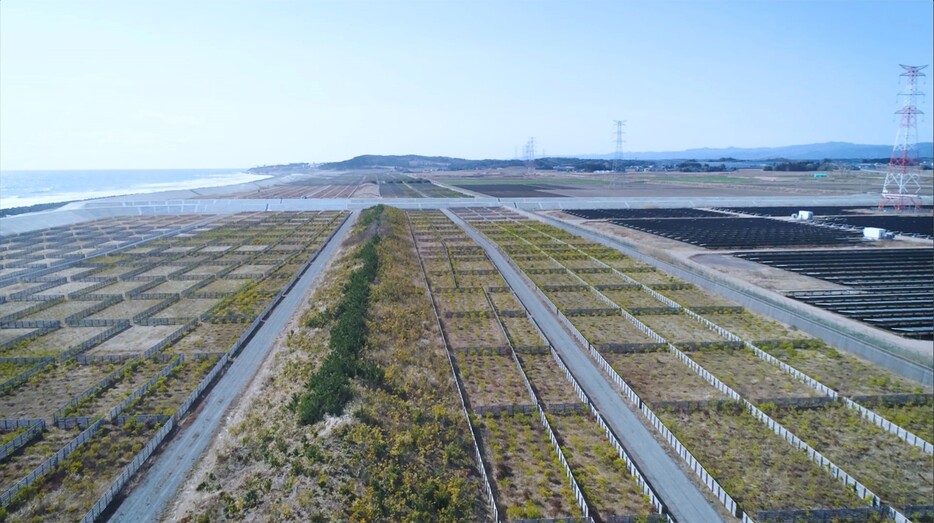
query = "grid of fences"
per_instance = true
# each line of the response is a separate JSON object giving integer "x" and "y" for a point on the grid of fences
{"x": 906, "y": 435}
{"x": 133, "y": 293}
{"x": 41, "y": 297}
{"x": 777, "y": 428}
{"x": 205, "y": 383}
{"x": 564, "y": 408}
{"x": 773, "y": 425}
{"x": 861, "y": 490}
{"x": 23, "y": 360}
{"x": 166, "y": 321}
{"x": 30, "y": 324}
{"x": 98, "y": 322}
{"x": 101, "y": 505}
{"x": 50, "y": 463}
{"x": 478, "y": 455}
{"x": 138, "y": 318}
{"x": 117, "y": 409}
{"x": 96, "y": 340}
{"x": 628, "y": 348}
{"x": 90, "y": 290}
{"x": 96, "y": 297}
{"x": 498, "y": 410}
{"x": 676, "y": 444}
{"x": 866, "y": 413}
{"x": 209, "y": 295}
{"x": 157, "y": 295}
{"x": 621, "y": 451}
{"x": 70, "y": 422}
{"x": 190, "y": 292}
{"x": 143, "y": 235}
{"x": 35, "y": 428}
{"x": 22, "y": 377}
{"x": 852, "y": 515}
{"x": 868, "y": 347}
{"x": 131, "y": 275}
{"x": 482, "y": 350}
{"x": 651, "y": 518}
{"x": 531, "y": 349}
{"x": 91, "y": 391}
{"x": 29, "y": 335}
{"x": 15, "y": 423}
{"x": 75, "y": 318}
{"x": 575, "y": 487}
{"x": 97, "y": 278}
{"x": 104, "y": 501}
{"x": 148, "y": 353}
{"x": 248, "y": 275}
{"x": 149, "y": 420}
{"x": 23, "y": 294}
{"x": 32, "y": 309}
{"x": 647, "y": 490}
{"x": 170, "y": 339}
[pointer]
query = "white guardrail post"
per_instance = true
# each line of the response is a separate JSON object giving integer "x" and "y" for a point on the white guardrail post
{"x": 776, "y": 427}
{"x": 460, "y": 391}
{"x": 866, "y": 413}
{"x": 647, "y": 489}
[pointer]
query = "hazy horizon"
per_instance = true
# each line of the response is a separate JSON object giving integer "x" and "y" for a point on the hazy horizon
{"x": 630, "y": 155}
{"x": 117, "y": 85}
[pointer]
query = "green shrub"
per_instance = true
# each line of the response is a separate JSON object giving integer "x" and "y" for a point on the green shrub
{"x": 328, "y": 389}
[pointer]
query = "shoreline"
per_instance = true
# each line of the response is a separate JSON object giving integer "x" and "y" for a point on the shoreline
{"x": 194, "y": 192}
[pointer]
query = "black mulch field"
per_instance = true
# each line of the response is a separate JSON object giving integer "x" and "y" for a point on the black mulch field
{"x": 507, "y": 190}
{"x": 892, "y": 289}
{"x": 921, "y": 226}
{"x": 622, "y": 214}
{"x": 742, "y": 233}
{"x": 788, "y": 210}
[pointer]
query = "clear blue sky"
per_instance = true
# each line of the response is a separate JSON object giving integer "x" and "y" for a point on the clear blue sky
{"x": 163, "y": 84}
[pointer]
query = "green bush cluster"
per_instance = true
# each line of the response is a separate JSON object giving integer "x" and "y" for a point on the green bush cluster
{"x": 328, "y": 389}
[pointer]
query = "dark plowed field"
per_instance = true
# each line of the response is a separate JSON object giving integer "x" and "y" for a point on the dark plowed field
{"x": 741, "y": 233}
{"x": 508, "y": 190}
{"x": 922, "y": 226}
{"x": 622, "y": 214}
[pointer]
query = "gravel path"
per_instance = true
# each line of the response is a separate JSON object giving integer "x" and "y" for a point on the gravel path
{"x": 171, "y": 467}
{"x": 682, "y": 497}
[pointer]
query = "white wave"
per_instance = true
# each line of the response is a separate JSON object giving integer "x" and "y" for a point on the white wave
{"x": 217, "y": 180}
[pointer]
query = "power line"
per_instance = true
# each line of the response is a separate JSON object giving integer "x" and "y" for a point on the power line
{"x": 901, "y": 186}
{"x": 618, "y": 156}
{"x": 530, "y": 154}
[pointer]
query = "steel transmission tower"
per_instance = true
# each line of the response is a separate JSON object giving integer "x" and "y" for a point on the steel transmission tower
{"x": 901, "y": 186}
{"x": 530, "y": 155}
{"x": 618, "y": 157}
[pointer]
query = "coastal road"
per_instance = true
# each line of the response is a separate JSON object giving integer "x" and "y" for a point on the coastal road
{"x": 682, "y": 497}
{"x": 162, "y": 481}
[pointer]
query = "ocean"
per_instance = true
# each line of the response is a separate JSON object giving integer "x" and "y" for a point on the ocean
{"x": 22, "y": 188}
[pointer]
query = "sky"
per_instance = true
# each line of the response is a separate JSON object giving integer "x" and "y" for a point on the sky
{"x": 180, "y": 84}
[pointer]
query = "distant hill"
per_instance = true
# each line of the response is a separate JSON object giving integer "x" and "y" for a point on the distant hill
{"x": 443, "y": 163}
{"x": 813, "y": 151}
{"x": 733, "y": 157}
{"x": 286, "y": 168}
{"x": 416, "y": 162}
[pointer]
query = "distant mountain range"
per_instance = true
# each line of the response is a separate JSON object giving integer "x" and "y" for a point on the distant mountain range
{"x": 815, "y": 152}
{"x": 415, "y": 161}
{"x": 812, "y": 151}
